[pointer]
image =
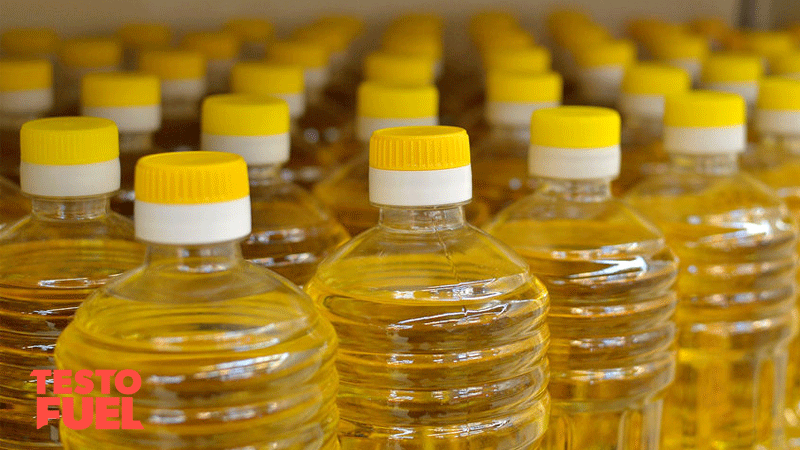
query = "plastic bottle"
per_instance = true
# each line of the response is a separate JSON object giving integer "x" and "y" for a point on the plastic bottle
{"x": 734, "y": 73}
{"x": 411, "y": 70}
{"x": 609, "y": 274}
{"x": 221, "y": 50}
{"x": 601, "y": 68}
{"x": 712, "y": 28}
{"x": 569, "y": 33}
{"x": 499, "y": 164}
{"x": 78, "y": 57}
{"x": 776, "y": 161}
{"x": 255, "y": 35}
{"x": 442, "y": 333}
{"x": 230, "y": 355}
{"x": 641, "y": 105}
{"x": 787, "y": 65}
{"x": 26, "y": 93}
{"x": 183, "y": 86}
{"x": 70, "y": 245}
{"x": 684, "y": 51}
{"x": 291, "y": 230}
{"x": 768, "y": 45}
{"x": 736, "y": 244}
{"x": 133, "y": 102}
{"x": 139, "y": 37}
{"x": 346, "y": 191}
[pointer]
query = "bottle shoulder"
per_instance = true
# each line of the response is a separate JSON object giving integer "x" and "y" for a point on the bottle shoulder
{"x": 109, "y": 227}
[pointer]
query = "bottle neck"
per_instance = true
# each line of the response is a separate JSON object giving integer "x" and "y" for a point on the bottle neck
{"x": 135, "y": 142}
{"x": 206, "y": 258}
{"x": 640, "y": 130}
{"x": 66, "y": 208}
{"x": 507, "y": 132}
{"x": 594, "y": 190}
{"x": 181, "y": 108}
{"x": 772, "y": 145}
{"x": 264, "y": 175}
{"x": 437, "y": 218}
{"x": 718, "y": 165}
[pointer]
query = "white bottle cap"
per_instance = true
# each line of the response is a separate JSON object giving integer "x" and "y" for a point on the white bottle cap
{"x": 704, "y": 123}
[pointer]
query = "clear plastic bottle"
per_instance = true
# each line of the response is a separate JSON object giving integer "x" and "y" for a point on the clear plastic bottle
{"x": 231, "y": 356}
{"x": 292, "y": 231}
{"x": 442, "y": 334}
{"x": 346, "y": 191}
{"x": 685, "y": 51}
{"x": 26, "y": 93}
{"x": 139, "y": 37}
{"x": 133, "y": 102}
{"x": 641, "y": 105}
{"x": 78, "y": 57}
{"x": 255, "y": 35}
{"x": 221, "y": 50}
{"x": 601, "y": 68}
{"x": 499, "y": 161}
{"x": 570, "y": 31}
{"x": 736, "y": 243}
{"x": 735, "y": 73}
{"x": 70, "y": 245}
{"x": 183, "y": 86}
{"x": 776, "y": 161}
{"x": 609, "y": 274}
{"x": 33, "y": 43}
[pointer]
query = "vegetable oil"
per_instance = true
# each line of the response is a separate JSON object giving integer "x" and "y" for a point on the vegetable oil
{"x": 50, "y": 261}
{"x": 776, "y": 162}
{"x": 183, "y": 86}
{"x": 499, "y": 163}
{"x": 601, "y": 67}
{"x": 140, "y": 37}
{"x": 684, "y": 51}
{"x": 736, "y": 244}
{"x": 26, "y": 93}
{"x": 609, "y": 274}
{"x": 133, "y": 102}
{"x": 231, "y": 356}
{"x": 79, "y": 57}
{"x": 641, "y": 105}
{"x": 221, "y": 51}
{"x": 441, "y": 327}
{"x": 291, "y": 230}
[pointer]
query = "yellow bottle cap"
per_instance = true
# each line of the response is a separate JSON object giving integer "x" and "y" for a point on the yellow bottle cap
{"x": 655, "y": 79}
{"x": 518, "y": 87}
{"x": 245, "y": 115}
{"x": 305, "y": 54}
{"x": 768, "y": 43}
{"x": 173, "y": 64}
{"x": 191, "y": 178}
{"x": 506, "y": 39}
{"x": 213, "y": 45}
{"x": 779, "y": 94}
{"x": 575, "y": 127}
{"x": 251, "y": 29}
{"x": 649, "y": 30}
{"x": 25, "y": 74}
{"x": 263, "y": 78}
{"x": 559, "y": 21}
{"x": 387, "y": 101}
{"x": 786, "y": 64}
{"x": 680, "y": 46}
{"x": 610, "y": 53}
{"x": 577, "y": 36}
{"x": 335, "y": 39}
{"x": 419, "y": 148}
{"x": 118, "y": 89}
{"x": 351, "y": 25}
{"x": 491, "y": 19}
{"x": 91, "y": 52}
{"x": 29, "y": 42}
{"x": 421, "y": 22}
{"x": 529, "y": 59}
{"x": 703, "y": 109}
{"x": 145, "y": 35}
{"x": 424, "y": 45}
{"x": 398, "y": 69}
{"x": 69, "y": 141}
{"x": 732, "y": 68}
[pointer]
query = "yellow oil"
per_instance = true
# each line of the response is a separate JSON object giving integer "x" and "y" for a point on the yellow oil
{"x": 292, "y": 232}
{"x": 132, "y": 147}
{"x": 230, "y": 357}
{"x": 345, "y": 192}
{"x": 776, "y": 163}
{"x": 500, "y": 170}
{"x": 42, "y": 282}
{"x": 643, "y": 154}
{"x": 9, "y": 153}
{"x": 736, "y": 244}
{"x": 442, "y": 339}
{"x": 609, "y": 275}
{"x": 13, "y": 205}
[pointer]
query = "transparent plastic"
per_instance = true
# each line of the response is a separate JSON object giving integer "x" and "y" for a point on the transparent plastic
{"x": 500, "y": 167}
{"x": 231, "y": 356}
{"x": 49, "y": 263}
{"x": 736, "y": 243}
{"x": 13, "y": 204}
{"x": 610, "y": 277}
{"x": 180, "y": 125}
{"x": 10, "y": 126}
{"x": 442, "y": 336}
{"x": 292, "y": 231}
{"x": 346, "y": 193}
{"x": 776, "y": 161}
{"x": 132, "y": 146}
{"x": 643, "y": 154}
